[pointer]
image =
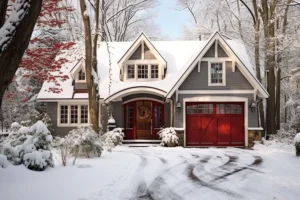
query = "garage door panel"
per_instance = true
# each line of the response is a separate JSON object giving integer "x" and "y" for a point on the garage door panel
{"x": 215, "y": 124}
{"x": 224, "y": 128}
{"x": 237, "y": 130}
{"x": 193, "y": 129}
{"x": 208, "y": 132}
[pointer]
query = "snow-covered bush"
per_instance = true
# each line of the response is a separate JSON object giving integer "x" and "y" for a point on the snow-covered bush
{"x": 297, "y": 144}
{"x": 34, "y": 116}
{"x": 64, "y": 147}
{"x": 116, "y": 136}
{"x": 12, "y": 154}
{"x": 168, "y": 137}
{"x": 3, "y": 161}
{"x": 30, "y": 146}
{"x": 84, "y": 142}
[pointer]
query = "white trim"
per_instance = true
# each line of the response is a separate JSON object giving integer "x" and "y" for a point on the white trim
{"x": 216, "y": 49}
{"x": 250, "y": 77}
{"x": 223, "y": 74}
{"x": 135, "y": 90}
{"x": 141, "y": 98}
{"x": 199, "y": 66}
{"x": 233, "y": 66}
{"x": 69, "y": 104}
{"x": 125, "y": 141}
{"x": 217, "y": 99}
{"x": 143, "y": 51}
{"x": 255, "y": 129}
{"x": 216, "y": 91}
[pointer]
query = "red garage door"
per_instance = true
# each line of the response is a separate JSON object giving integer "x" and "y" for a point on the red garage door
{"x": 215, "y": 124}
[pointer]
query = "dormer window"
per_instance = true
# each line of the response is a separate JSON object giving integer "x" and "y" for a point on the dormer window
{"x": 154, "y": 71}
{"x": 81, "y": 76}
{"x": 142, "y": 62}
{"x": 142, "y": 71}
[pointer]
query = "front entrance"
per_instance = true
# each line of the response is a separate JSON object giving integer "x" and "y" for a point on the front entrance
{"x": 143, "y": 119}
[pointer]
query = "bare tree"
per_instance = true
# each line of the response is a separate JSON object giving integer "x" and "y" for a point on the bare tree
{"x": 91, "y": 61}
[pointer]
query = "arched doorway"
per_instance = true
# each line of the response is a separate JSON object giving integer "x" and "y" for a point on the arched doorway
{"x": 143, "y": 119}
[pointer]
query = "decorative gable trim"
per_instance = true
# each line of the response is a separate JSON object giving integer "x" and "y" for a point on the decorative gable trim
{"x": 141, "y": 40}
{"x": 216, "y": 38}
{"x": 75, "y": 70}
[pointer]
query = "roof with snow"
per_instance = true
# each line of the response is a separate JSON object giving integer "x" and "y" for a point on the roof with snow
{"x": 179, "y": 56}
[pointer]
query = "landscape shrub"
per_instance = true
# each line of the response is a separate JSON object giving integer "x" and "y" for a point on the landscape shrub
{"x": 168, "y": 137}
{"x": 297, "y": 144}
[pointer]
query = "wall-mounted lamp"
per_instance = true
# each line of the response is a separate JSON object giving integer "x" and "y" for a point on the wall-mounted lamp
{"x": 178, "y": 104}
{"x": 253, "y": 106}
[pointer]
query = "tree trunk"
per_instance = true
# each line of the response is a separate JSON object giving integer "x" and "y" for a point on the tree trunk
{"x": 3, "y": 8}
{"x": 257, "y": 63}
{"x": 278, "y": 83}
{"x": 89, "y": 67}
{"x": 268, "y": 16}
{"x": 11, "y": 56}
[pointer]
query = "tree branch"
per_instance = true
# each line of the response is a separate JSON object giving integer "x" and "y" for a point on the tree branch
{"x": 249, "y": 11}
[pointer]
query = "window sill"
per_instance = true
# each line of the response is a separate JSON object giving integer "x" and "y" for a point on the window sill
{"x": 72, "y": 125}
{"x": 216, "y": 84}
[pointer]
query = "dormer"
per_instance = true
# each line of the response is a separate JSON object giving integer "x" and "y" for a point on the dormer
{"x": 78, "y": 72}
{"x": 142, "y": 62}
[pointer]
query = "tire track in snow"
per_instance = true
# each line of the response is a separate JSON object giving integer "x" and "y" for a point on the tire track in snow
{"x": 197, "y": 180}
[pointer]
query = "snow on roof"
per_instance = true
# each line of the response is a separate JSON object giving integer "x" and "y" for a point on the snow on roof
{"x": 178, "y": 54}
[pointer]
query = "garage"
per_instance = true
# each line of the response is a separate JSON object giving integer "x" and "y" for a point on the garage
{"x": 215, "y": 124}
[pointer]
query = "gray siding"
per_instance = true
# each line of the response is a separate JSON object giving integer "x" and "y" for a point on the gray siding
{"x": 52, "y": 112}
{"x": 137, "y": 55}
{"x": 221, "y": 52}
{"x": 199, "y": 80}
{"x": 117, "y": 113}
{"x": 178, "y": 115}
{"x": 80, "y": 86}
{"x": 210, "y": 52}
{"x": 167, "y": 115}
{"x": 148, "y": 54}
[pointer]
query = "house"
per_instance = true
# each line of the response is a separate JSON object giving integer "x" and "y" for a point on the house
{"x": 206, "y": 89}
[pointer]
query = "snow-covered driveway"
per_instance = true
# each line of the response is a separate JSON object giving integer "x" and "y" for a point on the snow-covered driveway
{"x": 157, "y": 173}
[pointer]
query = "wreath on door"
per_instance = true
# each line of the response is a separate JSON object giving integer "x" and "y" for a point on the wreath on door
{"x": 144, "y": 112}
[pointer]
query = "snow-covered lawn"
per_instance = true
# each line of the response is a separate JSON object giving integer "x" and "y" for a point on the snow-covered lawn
{"x": 162, "y": 173}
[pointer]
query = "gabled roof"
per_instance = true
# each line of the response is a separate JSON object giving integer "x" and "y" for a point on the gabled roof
{"x": 136, "y": 43}
{"x": 181, "y": 57}
{"x": 74, "y": 70}
{"x": 233, "y": 48}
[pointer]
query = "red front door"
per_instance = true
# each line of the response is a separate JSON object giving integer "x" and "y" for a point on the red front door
{"x": 215, "y": 124}
{"x": 143, "y": 119}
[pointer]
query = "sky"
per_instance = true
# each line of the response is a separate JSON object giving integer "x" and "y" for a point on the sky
{"x": 170, "y": 20}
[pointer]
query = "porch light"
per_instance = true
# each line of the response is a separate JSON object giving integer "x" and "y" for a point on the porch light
{"x": 253, "y": 106}
{"x": 178, "y": 104}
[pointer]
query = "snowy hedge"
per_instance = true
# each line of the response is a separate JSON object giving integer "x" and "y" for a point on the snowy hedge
{"x": 30, "y": 146}
{"x": 297, "y": 144}
{"x": 168, "y": 137}
{"x": 3, "y": 161}
{"x": 84, "y": 141}
{"x": 115, "y": 136}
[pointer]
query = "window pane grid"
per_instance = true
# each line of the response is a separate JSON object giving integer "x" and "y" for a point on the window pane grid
{"x": 84, "y": 114}
{"x": 157, "y": 116}
{"x": 216, "y": 73}
{"x": 154, "y": 71}
{"x": 64, "y": 114}
{"x": 81, "y": 75}
{"x": 129, "y": 116}
{"x": 229, "y": 109}
{"x": 142, "y": 71}
{"x": 130, "y": 71}
{"x": 74, "y": 114}
{"x": 200, "y": 109}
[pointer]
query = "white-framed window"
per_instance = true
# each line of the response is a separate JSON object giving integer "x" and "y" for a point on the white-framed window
{"x": 64, "y": 110}
{"x": 154, "y": 71}
{"x": 130, "y": 72}
{"x": 142, "y": 71}
{"x": 216, "y": 74}
{"x": 84, "y": 117}
{"x": 73, "y": 115}
{"x": 81, "y": 76}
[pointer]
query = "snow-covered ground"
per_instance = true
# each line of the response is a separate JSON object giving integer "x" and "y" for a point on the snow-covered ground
{"x": 162, "y": 173}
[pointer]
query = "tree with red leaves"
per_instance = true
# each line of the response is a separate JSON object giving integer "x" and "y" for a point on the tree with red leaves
{"x": 51, "y": 38}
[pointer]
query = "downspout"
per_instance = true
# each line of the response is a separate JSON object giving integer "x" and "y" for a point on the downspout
{"x": 171, "y": 113}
